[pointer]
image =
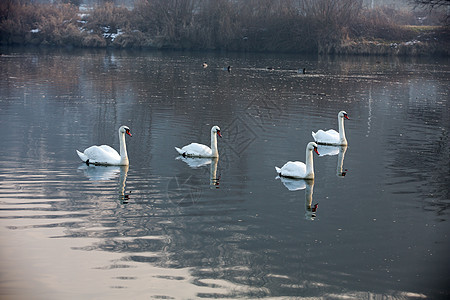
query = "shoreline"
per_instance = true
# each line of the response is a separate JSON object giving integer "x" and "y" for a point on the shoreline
{"x": 434, "y": 42}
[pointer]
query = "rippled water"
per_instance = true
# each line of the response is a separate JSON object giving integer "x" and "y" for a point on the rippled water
{"x": 177, "y": 228}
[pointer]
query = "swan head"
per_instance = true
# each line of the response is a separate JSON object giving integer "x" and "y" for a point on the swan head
{"x": 125, "y": 129}
{"x": 343, "y": 114}
{"x": 312, "y": 147}
{"x": 216, "y": 129}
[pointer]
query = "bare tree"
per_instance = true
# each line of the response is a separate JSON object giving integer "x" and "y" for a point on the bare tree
{"x": 216, "y": 23}
{"x": 436, "y": 4}
{"x": 332, "y": 19}
{"x": 432, "y": 3}
{"x": 168, "y": 18}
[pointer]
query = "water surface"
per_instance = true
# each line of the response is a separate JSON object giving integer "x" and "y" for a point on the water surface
{"x": 167, "y": 227}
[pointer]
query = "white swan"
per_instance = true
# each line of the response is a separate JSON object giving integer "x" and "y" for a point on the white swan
{"x": 332, "y": 137}
{"x": 296, "y": 169}
{"x": 199, "y": 150}
{"x": 105, "y": 155}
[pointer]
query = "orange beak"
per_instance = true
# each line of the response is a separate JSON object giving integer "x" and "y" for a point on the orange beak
{"x": 315, "y": 150}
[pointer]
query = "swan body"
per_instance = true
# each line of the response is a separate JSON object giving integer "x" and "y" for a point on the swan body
{"x": 200, "y": 150}
{"x": 105, "y": 155}
{"x": 332, "y": 137}
{"x": 297, "y": 169}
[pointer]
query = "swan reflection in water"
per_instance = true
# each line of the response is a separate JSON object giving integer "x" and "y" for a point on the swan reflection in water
{"x": 335, "y": 150}
{"x": 198, "y": 162}
{"x": 102, "y": 173}
{"x": 308, "y": 186}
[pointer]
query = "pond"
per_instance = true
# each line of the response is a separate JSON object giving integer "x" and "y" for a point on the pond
{"x": 374, "y": 223}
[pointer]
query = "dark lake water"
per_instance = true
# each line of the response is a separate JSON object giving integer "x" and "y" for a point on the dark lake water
{"x": 168, "y": 228}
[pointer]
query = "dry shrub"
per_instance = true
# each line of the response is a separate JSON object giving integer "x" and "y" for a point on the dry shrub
{"x": 93, "y": 41}
{"x": 216, "y": 25}
{"x": 17, "y": 20}
{"x": 59, "y": 26}
{"x": 55, "y": 24}
{"x": 134, "y": 39}
{"x": 108, "y": 19}
{"x": 171, "y": 19}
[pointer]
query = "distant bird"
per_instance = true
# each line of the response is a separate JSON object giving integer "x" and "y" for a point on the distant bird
{"x": 301, "y": 71}
{"x": 227, "y": 69}
{"x": 105, "y": 155}
{"x": 205, "y": 65}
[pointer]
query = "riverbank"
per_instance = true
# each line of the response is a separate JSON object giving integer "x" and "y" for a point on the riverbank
{"x": 357, "y": 32}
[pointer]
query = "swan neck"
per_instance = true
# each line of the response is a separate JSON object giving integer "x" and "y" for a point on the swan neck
{"x": 342, "y": 131}
{"x": 215, "y": 152}
{"x": 123, "y": 149}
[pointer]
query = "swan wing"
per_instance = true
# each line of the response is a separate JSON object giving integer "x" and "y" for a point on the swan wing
{"x": 293, "y": 169}
{"x": 330, "y": 136}
{"x": 103, "y": 154}
{"x": 108, "y": 149}
{"x": 195, "y": 150}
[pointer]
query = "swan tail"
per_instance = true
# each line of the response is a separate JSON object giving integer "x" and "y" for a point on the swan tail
{"x": 278, "y": 170}
{"x": 313, "y": 135}
{"x": 83, "y": 156}
{"x": 179, "y": 151}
